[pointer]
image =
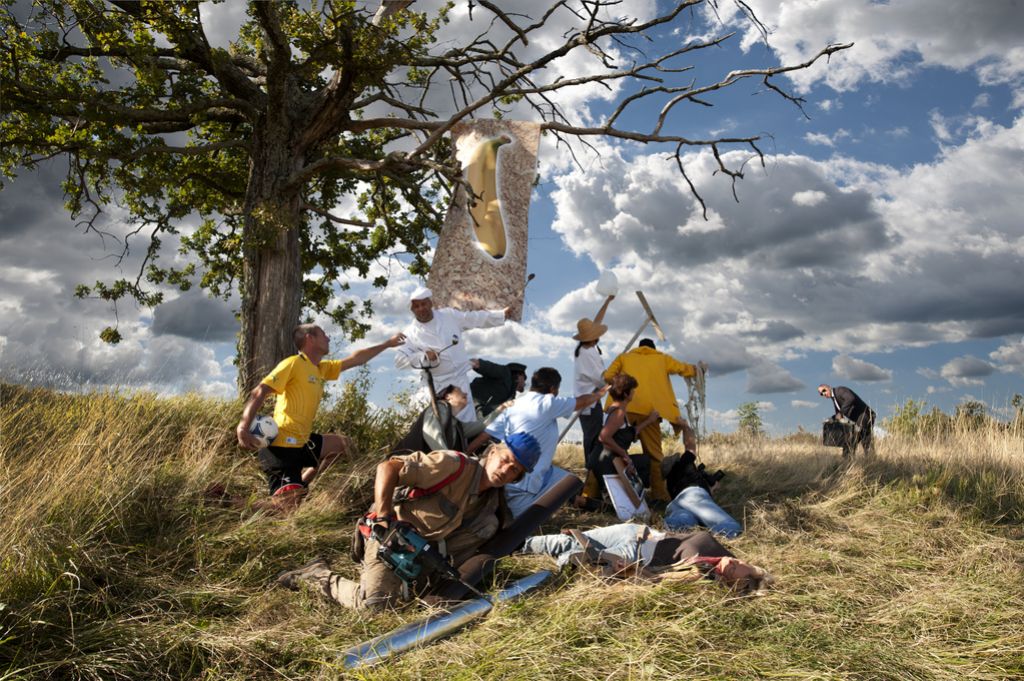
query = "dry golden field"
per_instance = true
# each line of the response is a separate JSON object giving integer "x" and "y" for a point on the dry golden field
{"x": 906, "y": 565}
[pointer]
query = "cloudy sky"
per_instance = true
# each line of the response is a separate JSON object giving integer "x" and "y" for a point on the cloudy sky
{"x": 880, "y": 247}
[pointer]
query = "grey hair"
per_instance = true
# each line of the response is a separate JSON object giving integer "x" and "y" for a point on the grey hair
{"x": 300, "y": 332}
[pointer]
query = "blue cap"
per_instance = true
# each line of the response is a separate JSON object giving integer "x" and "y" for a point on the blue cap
{"x": 525, "y": 448}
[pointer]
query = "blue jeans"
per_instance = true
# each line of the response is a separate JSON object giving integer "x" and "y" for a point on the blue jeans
{"x": 623, "y": 540}
{"x": 694, "y": 507}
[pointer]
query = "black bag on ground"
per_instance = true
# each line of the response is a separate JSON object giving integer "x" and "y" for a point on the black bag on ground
{"x": 836, "y": 433}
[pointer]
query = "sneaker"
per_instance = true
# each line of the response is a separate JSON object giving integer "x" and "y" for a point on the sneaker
{"x": 315, "y": 569}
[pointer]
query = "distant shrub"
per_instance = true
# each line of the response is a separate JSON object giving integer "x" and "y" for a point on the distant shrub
{"x": 911, "y": 420}
{"x": 750, "y": 419}
{"x": 801, "y": 436}
{"x": 970, "y": 415}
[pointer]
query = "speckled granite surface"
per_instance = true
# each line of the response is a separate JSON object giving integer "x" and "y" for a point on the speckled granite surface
{"x": 463, "y": 275}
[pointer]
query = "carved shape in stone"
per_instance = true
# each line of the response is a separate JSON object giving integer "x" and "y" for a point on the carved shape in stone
{"x": 480, "y": 261}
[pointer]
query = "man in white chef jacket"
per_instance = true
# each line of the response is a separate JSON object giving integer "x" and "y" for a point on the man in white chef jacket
{"x": 429, "y": 344}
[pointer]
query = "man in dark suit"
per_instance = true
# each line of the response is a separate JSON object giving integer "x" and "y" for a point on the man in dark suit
{"x": 847, "y": 403}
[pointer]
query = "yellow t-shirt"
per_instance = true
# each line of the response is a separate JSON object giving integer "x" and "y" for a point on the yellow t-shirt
{"x": 651, "y": 369}
{"x": 299, "y": 385}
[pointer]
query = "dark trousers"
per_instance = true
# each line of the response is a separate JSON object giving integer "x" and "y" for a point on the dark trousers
{"x": 862, "y": 437}
{"x": 591, "y": 425}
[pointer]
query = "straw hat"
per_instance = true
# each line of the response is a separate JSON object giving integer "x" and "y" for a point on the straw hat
{"x": 587, "y": 330}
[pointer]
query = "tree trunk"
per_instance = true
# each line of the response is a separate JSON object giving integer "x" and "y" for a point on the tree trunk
{"x": 271, "y": 286}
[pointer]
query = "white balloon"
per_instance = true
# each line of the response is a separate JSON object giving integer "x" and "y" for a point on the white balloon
{"x": 608, "y": 284}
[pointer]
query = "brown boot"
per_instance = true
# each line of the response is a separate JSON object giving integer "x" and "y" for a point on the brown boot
{"x": 316, "y": 570}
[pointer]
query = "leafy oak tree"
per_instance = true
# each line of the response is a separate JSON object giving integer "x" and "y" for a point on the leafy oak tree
{"x": 315, "y": 105}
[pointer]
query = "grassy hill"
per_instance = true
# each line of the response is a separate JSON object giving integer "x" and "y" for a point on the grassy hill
{"x": 908, "y": 565}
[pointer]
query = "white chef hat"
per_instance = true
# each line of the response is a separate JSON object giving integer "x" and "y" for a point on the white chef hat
{"x": 421, "y": 293}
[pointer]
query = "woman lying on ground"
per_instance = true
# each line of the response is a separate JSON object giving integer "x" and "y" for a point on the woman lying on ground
{"x": 632, "y": 550}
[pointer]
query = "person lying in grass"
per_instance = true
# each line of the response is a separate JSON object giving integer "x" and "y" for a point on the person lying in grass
{"x": 692, "y": 504}
{"x": 633, "y": 550}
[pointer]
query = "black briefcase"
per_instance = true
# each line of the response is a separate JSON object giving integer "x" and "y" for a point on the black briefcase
{"x": 836, "y": 433}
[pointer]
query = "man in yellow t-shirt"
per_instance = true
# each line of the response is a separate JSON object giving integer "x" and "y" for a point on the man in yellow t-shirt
{"x": 652, "y": 370}
{"x": 297, "y": 455}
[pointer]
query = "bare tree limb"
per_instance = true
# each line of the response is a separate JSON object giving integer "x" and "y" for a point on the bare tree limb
{"x": 574, "y": 42}
{"x": 506, "y": 20}
{"x": 335, "y": 218}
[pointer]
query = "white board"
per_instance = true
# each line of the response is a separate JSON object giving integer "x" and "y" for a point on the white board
{"x": 624, "y": 507}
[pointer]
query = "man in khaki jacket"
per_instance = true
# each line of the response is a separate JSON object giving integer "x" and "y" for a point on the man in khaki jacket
{"x": 452, "y": 500}
{"x": 654, "y": 393}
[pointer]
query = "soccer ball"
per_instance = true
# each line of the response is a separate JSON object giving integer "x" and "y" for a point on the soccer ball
{"x": 264, "y": 428}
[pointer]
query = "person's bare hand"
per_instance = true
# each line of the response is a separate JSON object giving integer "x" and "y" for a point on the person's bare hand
{"x": 246, "y": 440}
{"x": 396, "y": 340}
{"x": 431, "y": 355}
{"x": 475, "y": 363}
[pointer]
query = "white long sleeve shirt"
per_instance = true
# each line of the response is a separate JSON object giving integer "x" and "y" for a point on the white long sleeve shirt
{"x": 453, "y": 364}
{"x": 588, "y": 374}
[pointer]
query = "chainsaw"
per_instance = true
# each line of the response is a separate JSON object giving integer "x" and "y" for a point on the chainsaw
{"x": 411, "y": 557}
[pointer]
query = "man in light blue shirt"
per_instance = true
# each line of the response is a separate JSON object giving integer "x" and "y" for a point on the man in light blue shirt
{"x": 537, "y": 412}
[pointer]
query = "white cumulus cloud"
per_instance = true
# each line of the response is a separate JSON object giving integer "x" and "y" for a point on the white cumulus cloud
{"x": 855, "y": 369}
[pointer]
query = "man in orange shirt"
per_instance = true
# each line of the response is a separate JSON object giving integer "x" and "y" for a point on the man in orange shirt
{"x": 654, "y": 393}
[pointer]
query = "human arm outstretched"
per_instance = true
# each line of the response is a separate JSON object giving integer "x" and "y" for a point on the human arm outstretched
{"x": 652, "y": 417}
{"x": 584, "y": 401}
{"x": 477, "y": 319}
{"x": 674, "y": 366}
{"x": 604, "y": 308}
{"x": 360, "y": 357}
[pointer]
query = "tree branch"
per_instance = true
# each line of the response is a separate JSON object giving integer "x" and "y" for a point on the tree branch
{"x": 335, "y": 218}
{"x": 280, "y": 51}
{"x": 196, "y": 150}
{"x": 506, "y": 20}
{"x": 193, "y": 45}
{"x": 577, "y": 40}
{"x": 400, "y": 123}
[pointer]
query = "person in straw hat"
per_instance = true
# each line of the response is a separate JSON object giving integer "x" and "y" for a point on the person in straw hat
{"x": 588, "y": 376}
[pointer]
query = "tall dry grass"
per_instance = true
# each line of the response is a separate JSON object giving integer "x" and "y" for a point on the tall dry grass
{"x": 905, "y": 565}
